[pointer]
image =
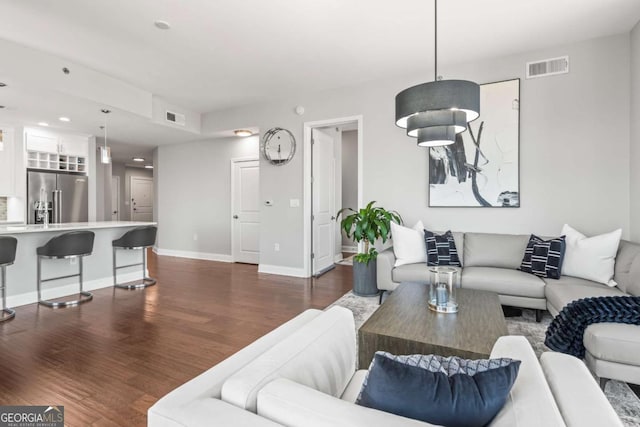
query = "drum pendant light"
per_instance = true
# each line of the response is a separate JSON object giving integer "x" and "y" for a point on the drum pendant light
{"x": 436, "y": 111}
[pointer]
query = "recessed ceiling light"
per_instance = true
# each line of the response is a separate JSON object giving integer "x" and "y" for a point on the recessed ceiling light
{"x": 138, "y": 159}
{"x": 64, "y": 119}
{"x": 148, "y": 166}
{"x": 243, "y": 132}
{"x": 43, "y": 124}
{"x": 162, "y": 25}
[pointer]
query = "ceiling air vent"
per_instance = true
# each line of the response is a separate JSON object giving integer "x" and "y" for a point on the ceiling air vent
{"x": 175, "y": 118}
{"x": 548, "y": 67}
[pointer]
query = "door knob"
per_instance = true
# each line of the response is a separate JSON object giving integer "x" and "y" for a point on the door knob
{"x": 115, "y": 212}
{"x": 333, "y": 218}
{"x": 135, "y": 209}
{"x": 235, "y": 217}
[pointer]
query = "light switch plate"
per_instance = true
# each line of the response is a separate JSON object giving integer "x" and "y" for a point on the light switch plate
{"x": 294, "y": 203}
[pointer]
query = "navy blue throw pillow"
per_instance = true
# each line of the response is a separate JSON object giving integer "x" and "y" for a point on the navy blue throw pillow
{"x": 459, "y": 400}
{"x": 544, "y": 257}
{"x": 441, "y": 249}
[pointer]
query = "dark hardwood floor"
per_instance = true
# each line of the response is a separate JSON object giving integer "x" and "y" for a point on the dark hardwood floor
{"x": 110, "y": 359}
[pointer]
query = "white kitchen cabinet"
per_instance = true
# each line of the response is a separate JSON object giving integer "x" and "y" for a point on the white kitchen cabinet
{"x": 43, "y": 143}
{"x": 53, "y": 151}
{"x": 74, "y": 146}
{"x": 7, "y": 164}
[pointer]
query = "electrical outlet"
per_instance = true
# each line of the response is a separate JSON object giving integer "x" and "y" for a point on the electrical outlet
{"x": 195, "y": 236}
{"x": 276, "y": 247}
{"x": 73, "y": 261}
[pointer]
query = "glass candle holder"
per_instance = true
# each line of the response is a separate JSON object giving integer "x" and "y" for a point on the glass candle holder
{"x": 442, "y": 289}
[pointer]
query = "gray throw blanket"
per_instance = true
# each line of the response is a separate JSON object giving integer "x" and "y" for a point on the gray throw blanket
{"x": 566, "y": 331}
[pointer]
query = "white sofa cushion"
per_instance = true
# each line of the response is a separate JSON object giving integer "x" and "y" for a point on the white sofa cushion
{"x": 613, "y": 342}
{"x": 567, "y": 289}
{"x": 416, "y": 273}
{"x": 591, "y": 258}
{"x": 571, "y": 383}
{"x": 292, "y": 404}
{"x": 408, "y": 244}
{"x": 206, "y": 412}
{"x": 503, "y": 281}
{"x": 494, "y": 250}
{"x": 531, "y": 403}
{"x": 321, "y": 356}
{"x": 352, "y": 391}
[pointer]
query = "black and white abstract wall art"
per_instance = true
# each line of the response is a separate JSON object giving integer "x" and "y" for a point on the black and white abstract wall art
{"x": 482, "y": 168}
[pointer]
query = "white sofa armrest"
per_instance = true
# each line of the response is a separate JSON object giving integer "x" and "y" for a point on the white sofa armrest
{"x": 209, "y": 383}
{"x": 577, "y": 394}
{"x": 295, "y": 405}
{"x": 206, "y": 412}
{"x": 531, "y": 402}
{"x": 384, "y": 267}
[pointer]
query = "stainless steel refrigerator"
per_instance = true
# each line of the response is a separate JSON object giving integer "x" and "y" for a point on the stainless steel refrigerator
{"x": 63, "y": 196}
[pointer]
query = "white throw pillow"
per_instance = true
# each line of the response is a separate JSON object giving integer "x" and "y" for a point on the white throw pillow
{"x": 591, "y": 258}
{"x": 408, "y": 244}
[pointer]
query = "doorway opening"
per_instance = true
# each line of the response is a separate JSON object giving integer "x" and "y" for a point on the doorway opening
{"x": 332, "y": 180}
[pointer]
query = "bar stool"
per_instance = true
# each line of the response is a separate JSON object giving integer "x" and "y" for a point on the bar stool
{"x": 7, "y": 257}
{"x": 76, "y": 244}
{"x": 138, "y": 238}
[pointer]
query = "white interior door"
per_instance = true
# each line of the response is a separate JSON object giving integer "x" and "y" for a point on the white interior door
{"x": 141, "y": 199}
{"x": 245, "y": 205}
{"x": 323, "y": 220}
{"x": 115, "y": 198}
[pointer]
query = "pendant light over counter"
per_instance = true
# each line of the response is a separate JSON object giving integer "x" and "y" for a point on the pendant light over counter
{"x": 436, "y": 111}
{"x": 105, "y": 151}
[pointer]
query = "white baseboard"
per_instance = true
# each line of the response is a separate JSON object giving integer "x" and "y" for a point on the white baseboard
{"x": 350, "y": 249}
{"x": 63, "y": 291}
{"x": 282, "y": 271}
{"x": 337, "y": 258}
{"x": 193, "y": 255}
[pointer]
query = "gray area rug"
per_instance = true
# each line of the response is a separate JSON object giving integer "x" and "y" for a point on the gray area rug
{"x": 622, "y": 398}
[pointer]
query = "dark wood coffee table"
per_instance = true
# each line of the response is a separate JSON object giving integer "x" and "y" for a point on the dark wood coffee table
{"x": 404, "y": 325}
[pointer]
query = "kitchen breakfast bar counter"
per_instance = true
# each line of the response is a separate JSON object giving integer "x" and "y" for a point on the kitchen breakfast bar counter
{"x": 21, "y": 276}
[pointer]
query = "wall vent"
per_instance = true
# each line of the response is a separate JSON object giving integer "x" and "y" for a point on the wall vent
{"x": 175, "y": 118}
{"x": 548, "y": 67}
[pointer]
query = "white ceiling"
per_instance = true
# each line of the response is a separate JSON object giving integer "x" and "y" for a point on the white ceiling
{"x": 220, "y": 54}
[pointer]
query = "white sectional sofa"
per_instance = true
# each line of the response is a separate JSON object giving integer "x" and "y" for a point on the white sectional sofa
{"x": 303, "y": 374}
{"x": 490, "y": 262}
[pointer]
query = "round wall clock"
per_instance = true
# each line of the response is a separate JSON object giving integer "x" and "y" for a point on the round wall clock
{"x": 278, "y": 146}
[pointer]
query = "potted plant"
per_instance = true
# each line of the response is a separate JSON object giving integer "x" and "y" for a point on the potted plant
{"x": 367, "y": 225}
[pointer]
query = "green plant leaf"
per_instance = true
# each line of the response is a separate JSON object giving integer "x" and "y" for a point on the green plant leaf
{"x": 368, "y": 224}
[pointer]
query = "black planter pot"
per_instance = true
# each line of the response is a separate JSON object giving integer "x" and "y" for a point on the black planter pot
{"x": 365, "y": 283}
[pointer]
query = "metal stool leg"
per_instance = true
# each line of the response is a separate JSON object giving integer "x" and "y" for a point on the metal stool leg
{"x": 144, "y": 283}
{"x": 7, "y": 313}
{"x": 115, "y": 280}
{"x": 39, "y": 280}
{"x": 84, "y": 295}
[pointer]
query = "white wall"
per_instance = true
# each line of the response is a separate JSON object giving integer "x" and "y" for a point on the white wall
{"x": 635, "y": 133}
{"x": 194, "y": 195}
{"x": 118, "y": 169}
{"x": 155, "y": 185}
{"x": 349, "y": 175}
{"x": 103, "y": 190}
{"x": 574, "y": 146}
